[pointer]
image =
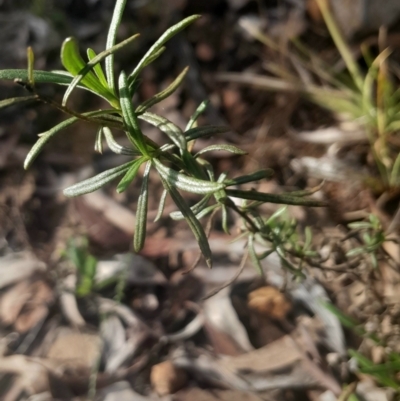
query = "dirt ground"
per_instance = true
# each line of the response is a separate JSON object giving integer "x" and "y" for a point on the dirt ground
{"x": 145, "y": 329}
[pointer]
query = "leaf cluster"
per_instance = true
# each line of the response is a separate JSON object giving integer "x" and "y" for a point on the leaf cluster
{"x": 178, "y": 168}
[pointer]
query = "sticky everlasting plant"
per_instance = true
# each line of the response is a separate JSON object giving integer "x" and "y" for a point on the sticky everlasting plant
{"x": 179, "y": 169}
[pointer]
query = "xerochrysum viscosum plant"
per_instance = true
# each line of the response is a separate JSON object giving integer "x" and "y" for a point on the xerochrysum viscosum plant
{"x": 178, "y": 168}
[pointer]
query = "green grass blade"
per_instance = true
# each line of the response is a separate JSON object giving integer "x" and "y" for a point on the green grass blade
{"x": 141, "y": 211}
{"x": 94, "y": 183}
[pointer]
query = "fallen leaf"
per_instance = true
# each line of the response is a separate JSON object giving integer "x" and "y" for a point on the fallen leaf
{"x": 166, "y": 378}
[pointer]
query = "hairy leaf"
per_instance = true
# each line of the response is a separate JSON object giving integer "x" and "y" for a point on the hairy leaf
{"x": 185, "y": 182}
{"x": 16, "y": 100}
{"x": 165, "y": 37}
{"x": 166, "y": 126}
{"x": 161, "y": 205}
{"x": 141, "y": 211}
{"x": 192, "y": 221}
{"x": 130, "y": 174}
{"x": 274, "y": 198}
{"x": 200, "y": 109}
{"x": 116, "y": 147}
{"x": 225, "y": 148}
{"x": 111, "y": 39}
{"x": 134, "y": 133}
{"x": 94, "y": 183}
{"x": 197, "y": 208}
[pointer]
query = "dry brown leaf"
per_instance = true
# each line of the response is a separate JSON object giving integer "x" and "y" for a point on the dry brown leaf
{"x": 166, "y": 378}
{"x": 25, "y": 304}
{"x": 12, "y": 302}
{"x": 269, "y": 301}
{"x": 197, "y": 394}
{"x": 74, "y": 348}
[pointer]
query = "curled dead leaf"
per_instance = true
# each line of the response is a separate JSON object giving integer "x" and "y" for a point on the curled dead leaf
{"x": 269, "y": 301}
{"x": 166, "y": 378}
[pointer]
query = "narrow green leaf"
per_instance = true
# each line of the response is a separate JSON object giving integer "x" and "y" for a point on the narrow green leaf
{"x": 199, "y": 132}
{"x": 225, "y": 148}
{"x": 46, "y": 136}
{"x": 166, "y": 126}
{"x": 256, "y": 176}
{"x": 97, "y": 68}
{"x": 134, "y": 133}
{"x": 86, "y": 72}
{"x": 153, "y": 57}
{"x": 16, "y": 100}
{"x": 50, "y": 77}
{"x": 111, "y": 39}
{"x": 225, "y": 226}
{"x": 73, "y": 62}
{"x": 274, "y": 198}
{"x": 186, "y": 183}
{"x": 130, "y": 174}
{"x": 220, "y": 196}
{"x": 206, "y": 131}
{"x": 275, "y": 215}
{"x": 192, "y": 166}
{"x": 207, "y": 210}
{"x": 161, "y": 205}
{"x": 94, "y": 183}
{"x": 141, "y": 211}
{"x": 253, "y": 256}
{"x": 197, "y": 208}
{"x": 116, "y": 147}
{"x": 165, "y": 37}
{"x": 98, "y": 143}
{"x": 200, "y": 110}
{"x": 31, "y": 62}
{"x": 193, "y": 223}
{"x": 163, "y": 94}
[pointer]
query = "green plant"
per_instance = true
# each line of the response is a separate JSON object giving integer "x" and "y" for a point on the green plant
{"x": 372, "y": 236}
{"x": 385, "y": 373}
{"x": 178, "y": 168}
{"x": 368, "y": 99}
{"x": 86, "y": 264}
